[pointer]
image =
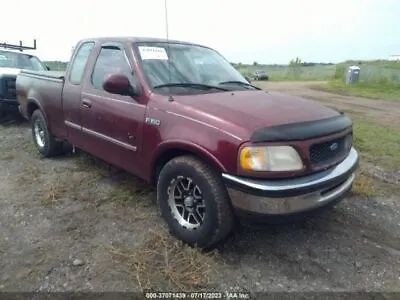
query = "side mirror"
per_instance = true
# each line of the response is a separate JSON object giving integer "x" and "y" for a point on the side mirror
{"x": 47, "y": 68}
{"x": 119, "y": 84}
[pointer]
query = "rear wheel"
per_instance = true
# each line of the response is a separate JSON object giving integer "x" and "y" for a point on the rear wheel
{"x": 194, "y": 202}
{"x": 46, "y": 144}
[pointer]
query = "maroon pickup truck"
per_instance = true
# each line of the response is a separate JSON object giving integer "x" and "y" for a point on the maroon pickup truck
{"x": 182, "y": 118}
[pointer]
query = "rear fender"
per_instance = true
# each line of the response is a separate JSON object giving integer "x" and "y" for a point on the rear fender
{"x": 35, "y": 101}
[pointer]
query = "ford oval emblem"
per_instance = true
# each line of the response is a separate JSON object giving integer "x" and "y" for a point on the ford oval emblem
{"x": 333, "y": 146}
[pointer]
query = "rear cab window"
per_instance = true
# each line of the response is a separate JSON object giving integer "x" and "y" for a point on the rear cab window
{"x": 80, "y": 62}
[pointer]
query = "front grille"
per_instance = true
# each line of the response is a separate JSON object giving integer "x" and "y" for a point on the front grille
{"x": 9, "y": 91}
{"x": 331, "y": 151}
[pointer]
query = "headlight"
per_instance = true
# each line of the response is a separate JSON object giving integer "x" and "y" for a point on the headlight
{"x": 271, "y": 158}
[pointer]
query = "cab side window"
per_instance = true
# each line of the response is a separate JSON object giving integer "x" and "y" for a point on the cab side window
{"x": 110, "y": 60}
{"x": 79, "y": 63}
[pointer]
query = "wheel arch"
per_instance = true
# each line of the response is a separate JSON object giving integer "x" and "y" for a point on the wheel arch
{"x": 171, "y": 149}
{"x": 32, "y": 105}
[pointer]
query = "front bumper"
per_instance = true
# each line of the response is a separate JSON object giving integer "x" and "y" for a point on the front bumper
{"x": 8, "y": 106}
{"x": 293, "y": 195}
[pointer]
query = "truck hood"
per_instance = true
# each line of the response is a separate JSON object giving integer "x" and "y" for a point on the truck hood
{"x": 9, "y": 71}
{"x": 243, "y": 112}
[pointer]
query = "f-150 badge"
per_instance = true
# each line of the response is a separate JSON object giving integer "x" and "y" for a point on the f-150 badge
{"x": 152, "y": 121}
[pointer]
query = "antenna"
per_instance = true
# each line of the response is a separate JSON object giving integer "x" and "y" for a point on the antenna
{"x": 166, "y": 18}
{"x": 167, "y": 34}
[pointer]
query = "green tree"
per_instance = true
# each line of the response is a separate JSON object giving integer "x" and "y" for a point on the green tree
{"x": 295, "y": 62}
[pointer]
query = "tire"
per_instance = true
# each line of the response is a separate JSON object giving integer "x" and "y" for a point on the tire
{"x": 44, "y": 141}
{"x": 213, "y": 208}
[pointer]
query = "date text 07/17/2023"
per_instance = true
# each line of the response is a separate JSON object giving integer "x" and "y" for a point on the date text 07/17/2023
{"x": 197, "y": 295}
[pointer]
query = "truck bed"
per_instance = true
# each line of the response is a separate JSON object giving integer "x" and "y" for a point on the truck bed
{"x": 42, "y": 89}
{"x": 54, "y": 75}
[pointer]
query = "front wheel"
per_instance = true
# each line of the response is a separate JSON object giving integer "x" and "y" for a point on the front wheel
{"x": 44, "y": 142}
{"x": 194, "y": 202}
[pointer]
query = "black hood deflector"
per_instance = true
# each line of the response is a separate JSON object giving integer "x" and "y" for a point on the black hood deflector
{"x": 303, "y": 130}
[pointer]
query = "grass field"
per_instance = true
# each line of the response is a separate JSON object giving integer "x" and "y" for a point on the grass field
{"x": 371, "y": 90}
{"x": 292, "y": 73}
{"x": 371, "y": 71}
{"x": 378, "y": 144}
{"x": 378, "y": 80}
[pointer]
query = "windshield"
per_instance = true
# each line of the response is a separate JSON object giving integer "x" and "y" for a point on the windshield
{"x": 20, "y": 61}
{"x": 191, "y": 67}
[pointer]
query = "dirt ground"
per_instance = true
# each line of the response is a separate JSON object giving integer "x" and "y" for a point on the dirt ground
{"x": 74, "y": 223}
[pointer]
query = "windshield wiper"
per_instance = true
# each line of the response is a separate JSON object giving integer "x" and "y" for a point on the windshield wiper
{"x": 240, "y": 83}
{"x": 191, "y": 85}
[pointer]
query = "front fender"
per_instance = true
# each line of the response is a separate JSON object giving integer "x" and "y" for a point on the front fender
{"x": 167, "y": 148}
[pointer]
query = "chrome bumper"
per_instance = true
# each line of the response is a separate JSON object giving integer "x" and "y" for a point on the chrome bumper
{"x": 292, "y": 195}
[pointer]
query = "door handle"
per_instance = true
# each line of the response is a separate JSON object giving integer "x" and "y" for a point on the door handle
{"x": 86, "y": 103}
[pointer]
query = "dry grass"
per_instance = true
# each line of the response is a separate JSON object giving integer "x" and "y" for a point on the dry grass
{"x": 87, "y": 162}
{"x": 125, "y": 196}
{"x": 74, "y": 185}
{"x": 29, "y": 175}
{"x": 162, "y": 262}
{"x": 7, "y": 155}
{"x": 30, "y": 148}
{"x": 132, "y": 193}
{"x": 127, "y": 190}
{"x": 82, "y": 184}
{"x": 364, "y": 185}
{"x": 55, "y": 192}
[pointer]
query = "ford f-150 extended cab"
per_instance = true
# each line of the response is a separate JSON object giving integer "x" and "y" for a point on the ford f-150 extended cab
{"x": 179, "y": 116}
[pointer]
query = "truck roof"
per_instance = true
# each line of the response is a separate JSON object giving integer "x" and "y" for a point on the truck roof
{"x": 134, "y": 39}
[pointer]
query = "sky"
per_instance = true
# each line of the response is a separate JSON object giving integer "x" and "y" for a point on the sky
{"x": 244, "y": 31}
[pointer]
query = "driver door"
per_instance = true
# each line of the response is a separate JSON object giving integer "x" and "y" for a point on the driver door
{"x": 112, "y": 123}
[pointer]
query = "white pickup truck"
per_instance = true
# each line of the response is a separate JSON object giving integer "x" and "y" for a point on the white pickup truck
{"x": 12, "y": 61}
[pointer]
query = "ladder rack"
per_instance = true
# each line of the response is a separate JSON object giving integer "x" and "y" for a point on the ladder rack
{"x": 19, "y": 47}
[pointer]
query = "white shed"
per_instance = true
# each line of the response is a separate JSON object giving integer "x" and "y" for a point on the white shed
{"x": 394, "y": 57}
